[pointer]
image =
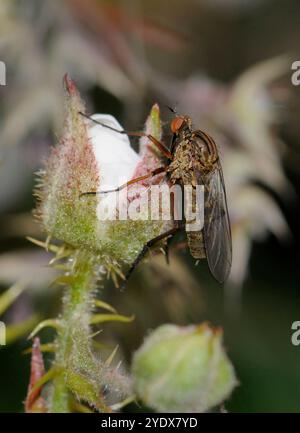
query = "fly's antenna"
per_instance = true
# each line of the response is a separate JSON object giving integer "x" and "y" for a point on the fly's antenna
{"x": 100, "y": 123}
{"x": 173, "y": 110}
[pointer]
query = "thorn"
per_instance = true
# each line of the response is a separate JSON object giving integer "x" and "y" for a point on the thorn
{"x": 101, "y": 318}
{"x": 52, "y": 323}
{"x": 123, "y": 403}
{"x": 95, "y": 333}
{"x": 49, "y": 347}
{"x": 69, "y": 84}
{"x": 53, "y": 248}
{"x": 54, "y": 371}
{"x": 47, "y": 242}
{"x": 11, "y": 294}
{"x": 101, "y": 304}
{"x": 111, "y": 357}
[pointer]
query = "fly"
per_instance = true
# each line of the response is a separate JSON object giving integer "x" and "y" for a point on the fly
{"x": 193, "y": 160}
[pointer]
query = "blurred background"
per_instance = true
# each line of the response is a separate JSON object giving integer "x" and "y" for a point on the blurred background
{"x": 227, "y": 63}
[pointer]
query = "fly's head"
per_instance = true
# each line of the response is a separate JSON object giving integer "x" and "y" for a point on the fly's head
{"x": 181, "y": 127}
{"x": 180, "y": 124}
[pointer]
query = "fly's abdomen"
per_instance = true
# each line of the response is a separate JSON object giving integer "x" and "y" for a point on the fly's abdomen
{"x": 192, "y": 221}
{"x": 196, "y": 244}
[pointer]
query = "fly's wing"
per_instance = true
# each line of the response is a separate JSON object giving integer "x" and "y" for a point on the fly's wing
{"x": 217, "y": 232}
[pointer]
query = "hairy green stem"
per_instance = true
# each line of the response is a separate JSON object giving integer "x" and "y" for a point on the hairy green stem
{"x": 73, "y": 340}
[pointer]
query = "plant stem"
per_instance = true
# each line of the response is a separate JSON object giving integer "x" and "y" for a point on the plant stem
{"x": 73, "y": 340}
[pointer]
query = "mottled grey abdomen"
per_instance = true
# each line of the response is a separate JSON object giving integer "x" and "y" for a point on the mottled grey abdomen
{"x": 196, "y": 244}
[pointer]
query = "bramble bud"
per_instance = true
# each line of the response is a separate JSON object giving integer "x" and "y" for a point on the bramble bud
{"x": 92, "y": 158}
{"x": 183, "y": 369}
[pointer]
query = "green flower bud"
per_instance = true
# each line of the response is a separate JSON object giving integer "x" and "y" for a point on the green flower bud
{"x": 183, "y": 369}
{"x": 93, "y": 158}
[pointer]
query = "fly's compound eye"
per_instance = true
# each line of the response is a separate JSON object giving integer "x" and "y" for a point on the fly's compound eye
{"x": 176, "y": 124}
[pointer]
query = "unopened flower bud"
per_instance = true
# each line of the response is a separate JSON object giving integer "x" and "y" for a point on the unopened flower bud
{"x": 93, "y": 158}
{"x": 183, "y": 369}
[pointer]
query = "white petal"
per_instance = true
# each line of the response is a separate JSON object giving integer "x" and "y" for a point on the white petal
{"x": 115, "y": 158}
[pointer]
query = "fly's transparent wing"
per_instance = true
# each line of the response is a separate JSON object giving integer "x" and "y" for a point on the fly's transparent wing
{"x": 217, "y": 232}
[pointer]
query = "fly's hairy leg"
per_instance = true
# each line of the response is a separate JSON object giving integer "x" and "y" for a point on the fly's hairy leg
{"x": 147, "y": 246}
{"x": 163, "y": 149}
{"x": 130, "y": 182}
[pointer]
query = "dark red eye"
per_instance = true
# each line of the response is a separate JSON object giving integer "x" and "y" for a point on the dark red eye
{"x": 176, "y": 124}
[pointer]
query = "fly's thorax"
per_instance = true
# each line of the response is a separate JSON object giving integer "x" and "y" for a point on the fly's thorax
{"x": 203, "y": 151}
{"x": 180, "y": 167}
{"x": 191, "y": 155}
